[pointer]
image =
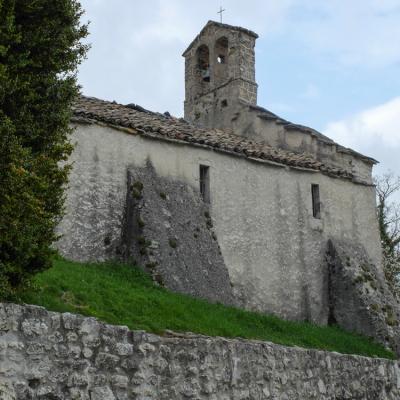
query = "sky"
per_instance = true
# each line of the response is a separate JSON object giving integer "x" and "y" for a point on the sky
{"x": 331, "y": 65}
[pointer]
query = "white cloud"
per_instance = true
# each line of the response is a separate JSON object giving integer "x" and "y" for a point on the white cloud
{"x": 376, "y": 126}
{"x": 374, "y": 132}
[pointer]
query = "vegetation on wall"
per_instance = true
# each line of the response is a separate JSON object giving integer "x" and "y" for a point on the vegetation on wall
{"x": 124, "y": 295}
{"x": 388, "y": 210}
{"x": 40, "y": 49}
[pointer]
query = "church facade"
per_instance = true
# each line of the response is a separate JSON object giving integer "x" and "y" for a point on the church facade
{"x": 232, "y": 203}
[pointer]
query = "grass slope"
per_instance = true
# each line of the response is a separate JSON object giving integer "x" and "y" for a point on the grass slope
{"x": 124, "y": 295}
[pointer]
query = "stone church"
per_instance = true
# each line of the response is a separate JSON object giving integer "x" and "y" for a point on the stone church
{"x": 230, "y": 203}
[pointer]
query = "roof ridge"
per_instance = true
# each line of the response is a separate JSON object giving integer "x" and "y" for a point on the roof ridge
{"x": 156, "y": 125}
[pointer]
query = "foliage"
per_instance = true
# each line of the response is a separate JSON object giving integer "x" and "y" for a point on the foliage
{"x": 388, "y": 210}
{"x": 391, "y": 266}
{"x": 40, "y": 50}
{"x": 121, "y": 294}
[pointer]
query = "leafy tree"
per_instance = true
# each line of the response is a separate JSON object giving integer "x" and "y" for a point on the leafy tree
{"x": 40, "y": 50}
{"x": 388, "y": 210}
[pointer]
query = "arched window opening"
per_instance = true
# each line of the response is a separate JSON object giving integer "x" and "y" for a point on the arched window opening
{"x": 203, "y": 62}
{"x": 221, "y": 58}
{"x": 221, "y": 50}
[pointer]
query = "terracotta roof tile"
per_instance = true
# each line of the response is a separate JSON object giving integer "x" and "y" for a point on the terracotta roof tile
{"x": 158, "y": 125}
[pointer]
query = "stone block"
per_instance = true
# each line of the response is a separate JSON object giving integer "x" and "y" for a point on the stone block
{"x": 183, "y": 367}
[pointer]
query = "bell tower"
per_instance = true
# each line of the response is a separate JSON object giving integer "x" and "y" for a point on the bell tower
{"x": 219, "y": 74}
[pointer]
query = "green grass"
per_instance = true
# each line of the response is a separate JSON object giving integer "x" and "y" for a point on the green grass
{"x": 124, "y": 295}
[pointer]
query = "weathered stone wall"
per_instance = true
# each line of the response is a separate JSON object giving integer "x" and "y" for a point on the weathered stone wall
{"x": 360, "y": 299}
{"x": 47, "y": 355}
{"x": 262, "y": 215}
{"x": 169, "y": 232}
{"x": 229, "y": 81}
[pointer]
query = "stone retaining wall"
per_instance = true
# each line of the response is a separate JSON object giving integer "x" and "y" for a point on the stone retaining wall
{"x": 48, "y": 355}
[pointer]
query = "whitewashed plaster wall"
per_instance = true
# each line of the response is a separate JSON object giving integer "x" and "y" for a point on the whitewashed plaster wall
{"x": 272, "y": 246}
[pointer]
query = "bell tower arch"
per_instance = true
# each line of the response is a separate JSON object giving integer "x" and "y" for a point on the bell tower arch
{"x": 219, "y": 74}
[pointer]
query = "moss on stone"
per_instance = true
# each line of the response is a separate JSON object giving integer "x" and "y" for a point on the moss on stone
{"x": 387, "y": 308}
{"x": 173, "y": 243}
{"x": 141, "y": 240}
{"x": 138, "y": 185}
{"x": 358, "y": 279}
{"x": 151, "y": 265}
{"x": 365, "y": 267}
{"x": 136, "y": 194}
{"x": 375, "y": 307}
{"x": 136, "y": 189}
{"x": 391, "y": 320}
{"x": 158, "y": 279}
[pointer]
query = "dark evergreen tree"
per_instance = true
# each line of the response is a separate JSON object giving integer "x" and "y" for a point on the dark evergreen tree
{"x": 40, "y": 50}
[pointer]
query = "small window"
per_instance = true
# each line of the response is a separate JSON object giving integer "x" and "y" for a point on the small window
{"x": 205, "y": 183}
{"x": 316, "y": 203}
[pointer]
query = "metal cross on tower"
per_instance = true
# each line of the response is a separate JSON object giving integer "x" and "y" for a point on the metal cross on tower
{"x": 221, "y": 10}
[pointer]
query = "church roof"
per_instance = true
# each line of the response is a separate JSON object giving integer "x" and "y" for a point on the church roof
{"x": 164, "y": 127}
{"x": 289, "y": 126}
{"x": 220, "y": 25}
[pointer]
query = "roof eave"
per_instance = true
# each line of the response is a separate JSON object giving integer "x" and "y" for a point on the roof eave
{"x": 319, "y": 135}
